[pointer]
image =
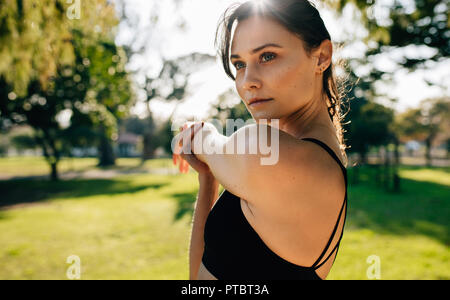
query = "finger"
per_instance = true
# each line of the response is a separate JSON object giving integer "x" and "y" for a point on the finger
{"x": 187, "y": 146}
{"x": 185, "y": 166}
{"x": 180, "y": 167}
{"x": 197, "y": 128}
{"x": 185, "y": 132}
{"x": 179, "y": 140}
{"x": 174, "y": 159}
{"x": 181, "y": 133}
{"x": 187, "y": 159}
{"x": 177, "y": 144}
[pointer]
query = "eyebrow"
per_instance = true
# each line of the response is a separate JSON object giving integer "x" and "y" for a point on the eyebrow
{"x": 257, "y": 49}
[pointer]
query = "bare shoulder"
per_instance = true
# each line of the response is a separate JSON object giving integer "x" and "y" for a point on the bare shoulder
{"x": 276, "y": 169}
{"x": 305, "y": 178}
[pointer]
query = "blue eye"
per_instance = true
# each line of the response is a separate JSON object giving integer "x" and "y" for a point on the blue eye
{"x": 236, "y": 64}
{"x": 265, "y": 54}
{"x": 268, "y": 54}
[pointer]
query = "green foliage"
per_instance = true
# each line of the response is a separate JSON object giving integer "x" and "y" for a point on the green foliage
{"x": 396, "y": 24}
{"x": 432, "y": 117}
{"x": 409, "y": 124}
{"x": 165, "y": 136}
{"x": 370, "y": 126}
{"x": 93, "y": 85}
{"x": 418, "y": 22}
{"x": 35, "y": 37}
{"x": 24, "y": 142}
{"x": 98, "y": 87}
{"x": 366, "y": 123}
{"x": 223, "y": 110}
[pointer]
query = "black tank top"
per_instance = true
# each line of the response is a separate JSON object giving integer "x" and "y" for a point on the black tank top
{"x": 234, "y": 250}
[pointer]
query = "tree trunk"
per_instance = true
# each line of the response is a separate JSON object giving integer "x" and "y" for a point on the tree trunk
{"x": 149, "y": 146}
{"x": 106, "y": 152}
{"x": 54, "y": 173}
{"x": 379, "y": 167}
{"x": 378, "y": 173}
{"x": 51, "y": 154}
{"x": 448, "y": 149}
{"x": 428, "y": 151}
{"x": 395, "y": 176}
{"x": 396, "y": 180}
{"x": 396, "y": 152}
{"x": 387, "y": 170}
{"x": 150, "y": 137}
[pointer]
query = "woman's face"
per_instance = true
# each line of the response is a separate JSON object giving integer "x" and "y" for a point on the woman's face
{"x": 283, "y": 73}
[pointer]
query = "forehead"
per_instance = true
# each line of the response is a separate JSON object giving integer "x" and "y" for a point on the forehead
{"x": 257, "y": 30}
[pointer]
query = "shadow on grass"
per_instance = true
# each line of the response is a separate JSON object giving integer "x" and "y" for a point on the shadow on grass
{"x": 17, "y": 192}
{"x": 420, "y": 208}
{"x": 185, "y": 204}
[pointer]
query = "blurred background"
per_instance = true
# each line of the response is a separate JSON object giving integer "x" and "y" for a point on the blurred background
{"x": 88, "y": 94}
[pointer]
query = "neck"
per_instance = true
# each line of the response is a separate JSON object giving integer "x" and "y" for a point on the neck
{"x": 308, "y": 120}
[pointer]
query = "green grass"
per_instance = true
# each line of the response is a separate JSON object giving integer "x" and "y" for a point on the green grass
{"x": 138, "y": 226}
{"x": 130, "y": 227}
{"x": 408, "y": 231}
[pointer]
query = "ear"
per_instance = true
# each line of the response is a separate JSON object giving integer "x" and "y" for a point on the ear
{"x": 324, "y": 53}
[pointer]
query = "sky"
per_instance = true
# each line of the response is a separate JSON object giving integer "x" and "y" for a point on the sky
{"x": 201, "y": 18}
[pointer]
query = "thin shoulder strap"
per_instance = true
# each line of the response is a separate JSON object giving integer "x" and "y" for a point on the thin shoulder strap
{"x": 331, "y": 152}
{"x": 344, "y": 170}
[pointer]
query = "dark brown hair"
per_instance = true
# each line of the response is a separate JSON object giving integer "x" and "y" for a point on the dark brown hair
{"x": 300, "y": 17}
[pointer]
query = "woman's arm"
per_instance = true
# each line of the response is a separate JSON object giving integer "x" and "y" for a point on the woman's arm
{"x": 208, "y": 192}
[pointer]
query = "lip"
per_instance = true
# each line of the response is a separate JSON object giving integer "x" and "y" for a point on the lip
{"x": 254, "y": 101}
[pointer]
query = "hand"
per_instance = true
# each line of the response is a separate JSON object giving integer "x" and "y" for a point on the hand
{"x": 184, "y": 154}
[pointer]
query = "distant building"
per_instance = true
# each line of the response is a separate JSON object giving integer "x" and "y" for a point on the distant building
{"x": 84, "y": 152}
{"x": 412, "y": 147}
{"x": 127, "y": 145}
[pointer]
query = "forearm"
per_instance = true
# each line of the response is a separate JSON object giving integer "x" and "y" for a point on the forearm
{"x": 208, "y": 192}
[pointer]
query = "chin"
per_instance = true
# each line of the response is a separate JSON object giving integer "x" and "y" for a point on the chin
{"x": 265, "y": 115}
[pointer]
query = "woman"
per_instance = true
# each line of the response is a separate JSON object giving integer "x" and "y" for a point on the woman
{"x": 281, "y": 221}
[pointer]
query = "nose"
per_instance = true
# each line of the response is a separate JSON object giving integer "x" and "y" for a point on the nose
{"x": 251, "y": 80}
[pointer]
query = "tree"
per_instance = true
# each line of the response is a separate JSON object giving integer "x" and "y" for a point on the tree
{"x": 171, "y": 84}
{"x": 224, "y": 110}
{"x": 92, "y": 85}
{"x": 366, "y": 123}
{"x": 396, "y": 25}
{"x": 109, "y": 94}
{"x": 404, "y": 23}
{"x": 35, "y": 37}
{"x": 426, "y": 123}
{"x": 371, "y": 128}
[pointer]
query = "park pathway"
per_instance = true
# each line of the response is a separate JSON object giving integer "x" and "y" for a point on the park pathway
{"x": 96, "y": 174}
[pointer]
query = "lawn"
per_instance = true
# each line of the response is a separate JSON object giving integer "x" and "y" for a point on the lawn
{"x": 137, "y": 226}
